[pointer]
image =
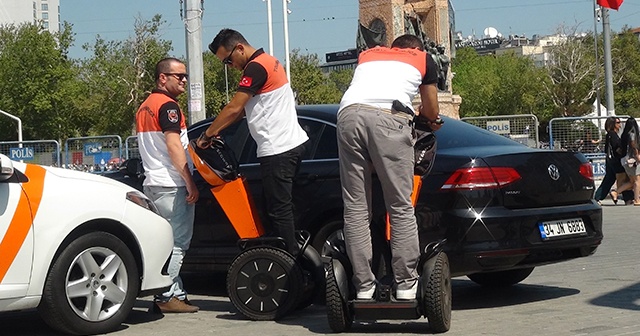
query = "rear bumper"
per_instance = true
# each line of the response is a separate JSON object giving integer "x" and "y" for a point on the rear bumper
{"x": 501, "y": 239}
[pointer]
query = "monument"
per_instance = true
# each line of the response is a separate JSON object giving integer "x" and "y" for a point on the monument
{"x": 381, "y": 21}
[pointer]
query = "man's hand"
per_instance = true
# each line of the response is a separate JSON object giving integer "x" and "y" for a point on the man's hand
{"x": 192, "y": 192}
{"x": 204, "y": 141}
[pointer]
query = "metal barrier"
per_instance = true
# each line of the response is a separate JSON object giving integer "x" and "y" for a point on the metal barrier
{"x": 131, "y": 149}
{"x": 42, "y": 152}
{"x": 582, "y": 134}
{"x": 90, "y": 153}
{"x": 522, "y": 128}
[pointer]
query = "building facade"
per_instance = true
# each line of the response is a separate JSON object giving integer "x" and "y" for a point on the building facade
{"x": 43, "y": 12}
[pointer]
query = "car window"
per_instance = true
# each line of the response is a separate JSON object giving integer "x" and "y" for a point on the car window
{"x": 322, "y": 142}
{"x": 455, "y": 133}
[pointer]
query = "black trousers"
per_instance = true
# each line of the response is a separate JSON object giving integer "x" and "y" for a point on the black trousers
{"x": 278, "y": 172}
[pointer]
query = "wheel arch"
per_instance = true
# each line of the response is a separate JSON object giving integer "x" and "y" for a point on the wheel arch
{"x": 103, "y": 225}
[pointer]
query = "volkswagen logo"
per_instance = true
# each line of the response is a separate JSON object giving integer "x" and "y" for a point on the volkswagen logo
{"x": 554, "y": 173}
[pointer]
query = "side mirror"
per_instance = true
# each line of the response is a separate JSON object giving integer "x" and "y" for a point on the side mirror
{"x": 6, "y": 167}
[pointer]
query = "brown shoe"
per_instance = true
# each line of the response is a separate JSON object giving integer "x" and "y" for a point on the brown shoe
{"x": 176, "y": 306}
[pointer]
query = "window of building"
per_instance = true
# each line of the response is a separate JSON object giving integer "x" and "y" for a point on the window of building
{"x": 45, "y": 16}
{"x": 45, "y": 6}
{"x": 45, "y": 24}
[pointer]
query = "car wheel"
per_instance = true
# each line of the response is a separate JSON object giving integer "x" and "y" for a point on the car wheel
{"x": 501, "y": 278}
{"x": 91, "y": 286}
{"x": 264, "y": 283}
{"x": 330, "y": 238}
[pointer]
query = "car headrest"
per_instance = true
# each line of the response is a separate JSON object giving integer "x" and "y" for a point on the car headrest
{"x": 217, "y": 164}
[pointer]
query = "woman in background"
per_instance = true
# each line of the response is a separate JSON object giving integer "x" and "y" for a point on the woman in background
{"x": 631, "y": 159}
{"x": 614, "y": 172}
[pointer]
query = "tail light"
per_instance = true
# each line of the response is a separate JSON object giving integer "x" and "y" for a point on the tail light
{"x": 586, "y": 170}
{"x": 481, "y": 178}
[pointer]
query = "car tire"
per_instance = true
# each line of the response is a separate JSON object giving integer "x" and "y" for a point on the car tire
{"x": 501, "y": 278}
{"x": 264, "y": 283}
{"x": 329, "y": 237}
{"x": 77, "y": 283}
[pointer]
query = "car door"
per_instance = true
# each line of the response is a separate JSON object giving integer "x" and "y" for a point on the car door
{"x": 16, "y": 227}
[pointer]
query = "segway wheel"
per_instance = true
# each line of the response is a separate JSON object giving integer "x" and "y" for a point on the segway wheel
{"x": 264, "y": 283}
{"x": 437, "y": 293}
{"x": 337, "y": 311}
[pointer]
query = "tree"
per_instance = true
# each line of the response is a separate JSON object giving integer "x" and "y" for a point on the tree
{"x": 497, "y": 85}
{"x": 309, "y": 83}
{"x": 626, "y": 62}
{"x": 119, "y": 75}
{"x": 38, "y": 81}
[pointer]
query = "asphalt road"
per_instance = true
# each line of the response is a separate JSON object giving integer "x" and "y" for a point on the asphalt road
{"x": 597, "y": 295}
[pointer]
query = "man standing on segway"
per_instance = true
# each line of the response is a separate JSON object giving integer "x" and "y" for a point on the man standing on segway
{"x": 265, "y": 96}
{"x": 376, "y": 134}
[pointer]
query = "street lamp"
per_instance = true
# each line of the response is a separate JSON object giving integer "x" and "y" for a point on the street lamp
{"x": 286, "y": 12}
{"x": 270, "y": 26}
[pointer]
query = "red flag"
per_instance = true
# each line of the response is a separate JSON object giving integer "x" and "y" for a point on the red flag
{"x": 613, "y": 4}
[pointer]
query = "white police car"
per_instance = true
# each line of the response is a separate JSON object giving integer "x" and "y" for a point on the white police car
{"x": 79, "y": 247}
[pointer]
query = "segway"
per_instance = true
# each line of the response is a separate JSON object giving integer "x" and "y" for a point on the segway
{"x": 264, "y": 282}
{"x": 433, "y": 299}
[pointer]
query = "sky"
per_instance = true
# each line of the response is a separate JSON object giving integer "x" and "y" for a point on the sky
{"x": 323, "y": 26}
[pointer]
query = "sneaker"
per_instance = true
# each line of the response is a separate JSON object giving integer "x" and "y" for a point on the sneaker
{"x": 176, "y": 306}
{"x": 366, "y": 294}
{"x": 407, "y": 294}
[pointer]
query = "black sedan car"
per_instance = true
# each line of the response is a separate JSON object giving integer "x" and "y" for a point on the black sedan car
{"x": 504, "y": 208}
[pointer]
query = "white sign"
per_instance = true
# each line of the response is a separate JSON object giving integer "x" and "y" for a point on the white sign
{"x": 499, "y": 126}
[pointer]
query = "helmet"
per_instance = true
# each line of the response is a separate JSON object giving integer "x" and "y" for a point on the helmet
{"x": 217, "y": 163}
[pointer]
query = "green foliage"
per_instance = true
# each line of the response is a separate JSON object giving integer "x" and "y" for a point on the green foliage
{"x": 309, "y": 83}
{"x": 498, "y": 85}
{"x": 118, "y": 77}
{"x": 625, "y": 50}
{"x": 37, "y": 81}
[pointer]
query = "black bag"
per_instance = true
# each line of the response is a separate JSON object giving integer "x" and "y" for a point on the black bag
{"x": 424, "y": 148}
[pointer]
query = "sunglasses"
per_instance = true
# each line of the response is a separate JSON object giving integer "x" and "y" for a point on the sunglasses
{"x": 179, "y": 76}
{"x": 227, "y": 60}
{"x": 618, "y": 122}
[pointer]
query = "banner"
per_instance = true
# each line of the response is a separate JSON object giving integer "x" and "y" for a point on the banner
{"x": 613, "y": 4}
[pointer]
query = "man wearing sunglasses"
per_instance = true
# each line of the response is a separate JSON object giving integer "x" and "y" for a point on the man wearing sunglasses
{"x": 265, "y": 97}
{"x": 162, "y": 140}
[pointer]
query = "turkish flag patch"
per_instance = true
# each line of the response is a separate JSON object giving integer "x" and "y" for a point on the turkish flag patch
{"x": 246, "y": 81}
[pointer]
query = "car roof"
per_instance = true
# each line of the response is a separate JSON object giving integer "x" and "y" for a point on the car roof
{"x": 326, "y": 112}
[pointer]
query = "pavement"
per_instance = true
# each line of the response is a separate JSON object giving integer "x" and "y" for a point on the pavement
{"x": 596, "y": 295}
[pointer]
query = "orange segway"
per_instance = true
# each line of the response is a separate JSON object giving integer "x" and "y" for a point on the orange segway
{"x": 264, "y": 282}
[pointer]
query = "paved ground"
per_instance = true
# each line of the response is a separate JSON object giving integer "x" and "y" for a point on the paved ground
{"x": 598, "y": 295}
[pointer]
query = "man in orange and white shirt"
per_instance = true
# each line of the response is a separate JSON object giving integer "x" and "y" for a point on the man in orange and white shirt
{"x": 265, "y": 97}
{"x": 372, "y": 136}
{"x": 162, "y": 139}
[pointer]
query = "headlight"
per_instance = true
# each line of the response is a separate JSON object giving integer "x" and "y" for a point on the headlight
{"x": 142, "y": 200}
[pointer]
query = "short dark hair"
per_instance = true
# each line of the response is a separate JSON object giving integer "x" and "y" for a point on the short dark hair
{"x": 407, "y": 41}
{"x": 164, "y": 66}
{"x": 228, "y": 38}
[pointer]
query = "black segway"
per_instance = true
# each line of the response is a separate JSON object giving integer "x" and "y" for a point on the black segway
{"x": 264, "y": 282}
{"x": 433, "y": 299}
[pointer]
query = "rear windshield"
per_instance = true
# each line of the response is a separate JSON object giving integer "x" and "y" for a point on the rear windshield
{"x": 456, "y": 133}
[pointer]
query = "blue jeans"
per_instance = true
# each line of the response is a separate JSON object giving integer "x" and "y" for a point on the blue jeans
{"x": 277, "y": 173}
{"x": 173, "y": 206}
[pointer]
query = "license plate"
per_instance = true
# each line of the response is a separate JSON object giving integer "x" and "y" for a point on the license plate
{"x": 562, "y": 228}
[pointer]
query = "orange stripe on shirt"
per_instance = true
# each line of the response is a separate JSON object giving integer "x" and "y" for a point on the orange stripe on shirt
{"x": 22, "y": 219}
{"x": 413, "y": 57}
